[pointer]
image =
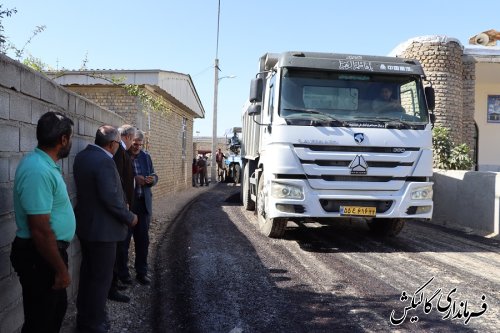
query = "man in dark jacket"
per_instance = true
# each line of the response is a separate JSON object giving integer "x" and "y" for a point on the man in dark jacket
{"x": 102, "y": 220}
{"x": 124, "y": 166}
{"x": 202, "y": 170}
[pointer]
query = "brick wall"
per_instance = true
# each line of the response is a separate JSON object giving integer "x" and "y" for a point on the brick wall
{"x": 24, "y": 96}
{"x": 164, "y": 133}
{"x": 165, "y": 141}
{"x": 205, "y": 143}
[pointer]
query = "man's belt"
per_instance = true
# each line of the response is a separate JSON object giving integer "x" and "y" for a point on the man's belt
{"x": 25, "y": 243}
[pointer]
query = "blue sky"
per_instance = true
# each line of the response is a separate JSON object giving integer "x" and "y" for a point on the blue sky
{"x": 180, "y": 35}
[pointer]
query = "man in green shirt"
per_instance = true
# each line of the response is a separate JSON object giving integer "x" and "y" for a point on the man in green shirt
{"x": 45, "y": 225}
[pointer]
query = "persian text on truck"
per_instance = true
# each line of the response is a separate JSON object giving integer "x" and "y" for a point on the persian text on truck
{"x": 328, "y": 136}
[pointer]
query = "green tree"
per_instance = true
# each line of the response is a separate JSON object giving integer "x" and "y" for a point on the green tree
{"x": 35, "y": 63}
{"x": 447, "y": 155}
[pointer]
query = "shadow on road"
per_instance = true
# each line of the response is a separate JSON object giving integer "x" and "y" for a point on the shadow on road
{"x": 417, "y": 236}
{"x": 345, "y": 236}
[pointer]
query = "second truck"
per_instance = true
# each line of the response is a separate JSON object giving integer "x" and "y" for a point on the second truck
{"x": 336, "y": 136}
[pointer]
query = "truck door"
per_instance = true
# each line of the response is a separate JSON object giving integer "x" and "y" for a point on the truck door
{"x": 267, "y": 114}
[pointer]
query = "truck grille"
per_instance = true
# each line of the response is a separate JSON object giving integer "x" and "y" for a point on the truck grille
{"x": 329, "y": 167}
{"x": 355, "y": 149}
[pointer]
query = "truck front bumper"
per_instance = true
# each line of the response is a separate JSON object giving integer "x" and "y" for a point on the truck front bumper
{"x": 405, "y": 203}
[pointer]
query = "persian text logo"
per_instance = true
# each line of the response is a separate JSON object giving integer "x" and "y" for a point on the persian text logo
{"x": 450, "y": 307}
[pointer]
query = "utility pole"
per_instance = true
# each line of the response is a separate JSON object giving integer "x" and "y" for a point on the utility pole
{"x": 213, "y": 178}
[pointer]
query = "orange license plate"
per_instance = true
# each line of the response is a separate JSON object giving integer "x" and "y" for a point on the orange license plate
{"x": 357, "y": 211}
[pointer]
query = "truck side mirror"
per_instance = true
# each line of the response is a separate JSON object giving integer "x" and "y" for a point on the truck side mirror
{"x": 254, "y": 109}
{"x": 430, "y": 97}
{"x": 256, "y": 90}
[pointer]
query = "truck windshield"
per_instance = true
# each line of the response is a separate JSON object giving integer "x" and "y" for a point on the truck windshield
{"x": 346, "y": 99}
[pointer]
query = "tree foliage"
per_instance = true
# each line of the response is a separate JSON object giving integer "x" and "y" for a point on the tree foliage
{"x": 35, "y": 63}
{"x": 6, "y": 45}
{"x": 4, "y": 13}
{"x": 447, "y": 155}
{"x": 19, "y": 53}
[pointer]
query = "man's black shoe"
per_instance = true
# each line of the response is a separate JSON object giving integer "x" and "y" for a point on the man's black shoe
{"x": 126, "y": 280}
{"x": 121, "y": 287}
{"x": 143, "y": 279}
{"x": 102, "y": 328}
{"x": 116, "y": 284}
{"x": 114, "y": 295}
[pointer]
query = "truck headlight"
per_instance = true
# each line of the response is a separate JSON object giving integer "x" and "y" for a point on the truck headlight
{"x": 286, "y": 191}
{"x": 422, "y": 193}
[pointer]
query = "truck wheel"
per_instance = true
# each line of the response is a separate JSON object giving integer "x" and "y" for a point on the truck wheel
{"x": 386, "y": 227}
{"x": 274, "y": 228}
{"x": 237, "y": 173}
{"x": 248, "y": 204}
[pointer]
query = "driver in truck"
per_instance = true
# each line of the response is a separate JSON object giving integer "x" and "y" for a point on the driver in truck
{"x": 385, "y": 101}
{"x": 235, "y": 141}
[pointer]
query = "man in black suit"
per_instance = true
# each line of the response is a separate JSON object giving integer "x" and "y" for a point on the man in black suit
{"x": 102, "y": 219}
{"x": 124, "y": 166}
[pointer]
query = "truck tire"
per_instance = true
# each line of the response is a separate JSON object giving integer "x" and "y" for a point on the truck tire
{"x": 386, "y": 227}
{"x": 237, "y": 173}
{"x": 274, "y": 228}
{"x": 248, "y": 204}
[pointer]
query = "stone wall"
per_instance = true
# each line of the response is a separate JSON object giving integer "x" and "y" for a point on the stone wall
{"x": 469, "y": 132}
{"x": 24, "y": 96}
{"x": 453, "y": 77}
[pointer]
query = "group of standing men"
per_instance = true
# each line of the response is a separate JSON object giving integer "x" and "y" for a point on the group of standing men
{"x": 113, "y": 180}
{"x": 200, "y": 169}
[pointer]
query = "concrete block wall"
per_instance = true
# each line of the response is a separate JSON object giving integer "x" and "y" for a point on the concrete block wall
{"x": 467, "y": 200}
{"x": 24, "y": 96}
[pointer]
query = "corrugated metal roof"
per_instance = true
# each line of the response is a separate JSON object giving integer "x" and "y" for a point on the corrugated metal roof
{"x": 177, "y": 85}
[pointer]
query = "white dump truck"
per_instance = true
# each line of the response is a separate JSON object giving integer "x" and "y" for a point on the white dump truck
{"x": 337, "y": 136}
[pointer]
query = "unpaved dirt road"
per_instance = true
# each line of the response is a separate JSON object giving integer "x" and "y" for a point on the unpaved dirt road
{"x": 216, "y": 273}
